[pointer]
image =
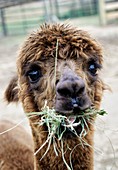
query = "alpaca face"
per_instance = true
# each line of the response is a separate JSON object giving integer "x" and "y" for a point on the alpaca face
{"x": 70, "y": 86}
{"x": 68, "y": 94}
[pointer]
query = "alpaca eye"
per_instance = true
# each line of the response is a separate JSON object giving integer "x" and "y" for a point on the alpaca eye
{"x": 93, "y": 69}
{"x": 34, "y": 76}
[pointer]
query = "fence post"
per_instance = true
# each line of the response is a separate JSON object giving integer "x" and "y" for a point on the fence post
{"x": 57, "y": 8}
{"x": 102, "y": 12}
{"x": 50, "y": 11}
{"x": 4, "y": 28}
{"x": 47, "y": 10}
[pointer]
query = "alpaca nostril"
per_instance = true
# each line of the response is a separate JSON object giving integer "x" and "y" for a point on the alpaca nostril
{"x": 80, "y": 90}
{"x": 57, "y": 81}
{"x": 64, "y": 92}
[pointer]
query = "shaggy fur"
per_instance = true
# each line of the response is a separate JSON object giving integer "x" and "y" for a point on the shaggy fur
{"x": 76, "y": 50}
{"x": 15, "y": 148}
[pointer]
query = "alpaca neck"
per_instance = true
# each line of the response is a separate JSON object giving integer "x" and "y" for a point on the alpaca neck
{"x": 80, "y": 156}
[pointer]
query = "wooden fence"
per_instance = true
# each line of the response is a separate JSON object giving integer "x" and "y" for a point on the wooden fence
{"x": 20, "y": 18}
{"x": 108, "y": 11}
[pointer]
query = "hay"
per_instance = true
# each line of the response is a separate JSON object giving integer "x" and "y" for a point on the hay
{"x": 55, "y": 121}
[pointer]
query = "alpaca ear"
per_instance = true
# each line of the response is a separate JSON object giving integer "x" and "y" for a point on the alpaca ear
{"x": 11, "y": 93}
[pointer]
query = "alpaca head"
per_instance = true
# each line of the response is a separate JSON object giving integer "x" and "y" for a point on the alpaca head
{"x": 59, "y": 64}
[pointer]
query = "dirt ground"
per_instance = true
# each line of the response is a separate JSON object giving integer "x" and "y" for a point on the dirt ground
{"x": 106, "y": 135}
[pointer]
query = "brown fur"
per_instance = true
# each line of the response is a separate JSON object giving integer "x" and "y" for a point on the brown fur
{"x": 15, "y": 148}
{"x": 11, "y": 92}
{"x": 76, "y": 48}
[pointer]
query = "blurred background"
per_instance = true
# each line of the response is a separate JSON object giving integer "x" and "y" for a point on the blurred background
{"x": 18, "y": 18}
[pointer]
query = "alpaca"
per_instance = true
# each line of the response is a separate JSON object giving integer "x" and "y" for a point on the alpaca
{"x": 15, "y": 148}
{"x": 75, "y": 86}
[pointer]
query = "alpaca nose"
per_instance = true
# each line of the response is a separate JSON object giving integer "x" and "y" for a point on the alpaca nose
{"x": 71, "y": 86}
{"x": 71, "y": 94}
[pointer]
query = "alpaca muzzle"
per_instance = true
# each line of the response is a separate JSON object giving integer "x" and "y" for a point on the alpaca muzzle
{"x": 71, "y": 95}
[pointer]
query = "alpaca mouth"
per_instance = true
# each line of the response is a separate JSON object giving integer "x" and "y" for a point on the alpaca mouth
{"x": 75, "y": 125}
{"x": 74, "y": 110}
{"x": 72, "y": 127}
{"x": 70, "y": 106}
